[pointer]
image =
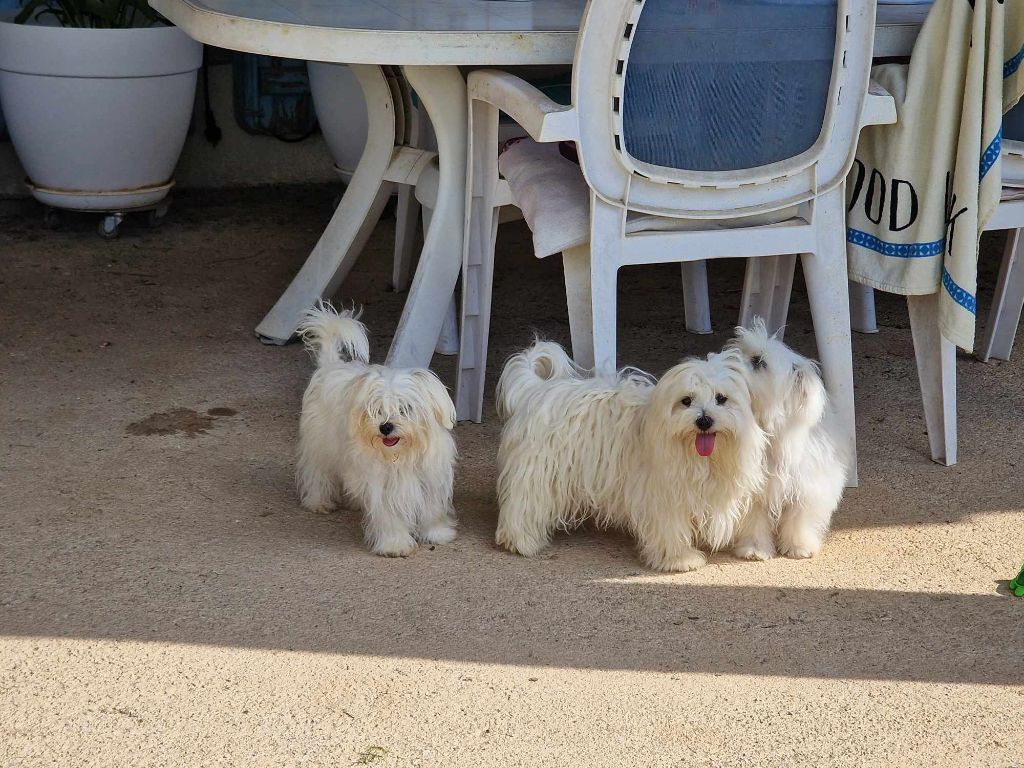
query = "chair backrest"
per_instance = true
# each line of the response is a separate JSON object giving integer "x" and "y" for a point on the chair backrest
{"x": 720, "y": 108}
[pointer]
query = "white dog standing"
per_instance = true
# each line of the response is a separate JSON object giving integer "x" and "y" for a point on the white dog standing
{"x": 380, "y": 435}
{"x": 805, "y": 468}
{"x": 676, "y": 462}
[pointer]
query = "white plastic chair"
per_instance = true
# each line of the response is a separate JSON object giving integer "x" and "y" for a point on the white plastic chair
{"x": 936, "y": 357}
{"x": 648, "y": 88}
{"x": 1004, "y": 316}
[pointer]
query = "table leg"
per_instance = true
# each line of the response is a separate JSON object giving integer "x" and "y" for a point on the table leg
{"x": 442, "y": 90}
{"x": 353, "y": 221}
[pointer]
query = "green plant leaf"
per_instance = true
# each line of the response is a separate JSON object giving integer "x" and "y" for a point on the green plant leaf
{"x": 30, "y": 10}
{"x": 103, "y": 14}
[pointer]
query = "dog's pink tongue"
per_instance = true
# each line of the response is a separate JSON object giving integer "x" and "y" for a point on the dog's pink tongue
{"x": 390, "y": 441}
{"x": 705, "y": 443}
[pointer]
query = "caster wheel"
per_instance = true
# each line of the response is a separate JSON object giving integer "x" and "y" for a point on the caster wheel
{"x": 109, "y": 227}
{"x": 51, "y": 219}
{"x": 156, "y": 216}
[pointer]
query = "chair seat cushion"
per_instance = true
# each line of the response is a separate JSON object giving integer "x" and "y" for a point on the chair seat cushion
{"x": 550, "y": 190}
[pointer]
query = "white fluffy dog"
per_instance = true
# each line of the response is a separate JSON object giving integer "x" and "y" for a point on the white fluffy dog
{"x": 675, "y": 462}
{"x": 380, "y": 435}
{"x": 805, "y": 468}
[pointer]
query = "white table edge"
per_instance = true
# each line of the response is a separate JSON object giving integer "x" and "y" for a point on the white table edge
{"x": 485, "y": 48}
{"x": 345, "y": 45}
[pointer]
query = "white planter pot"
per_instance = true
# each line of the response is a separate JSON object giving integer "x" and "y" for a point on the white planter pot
{"x": 98, "y": 117}
{"x": 341, "y": 111}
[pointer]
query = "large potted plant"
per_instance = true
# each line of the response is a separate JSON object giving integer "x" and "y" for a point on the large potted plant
{"x": 98, "y": 95}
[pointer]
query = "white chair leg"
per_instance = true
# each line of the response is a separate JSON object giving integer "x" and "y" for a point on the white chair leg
{"x": 1004, "y": 316}
{"x": 825, "y": 276}
{"x": 696, "y": 305}
{"x": 481, "y": 230}
{"x": 448, "y": 341}
{"x": 407, "y": 215}
{"x": 767, "y": 287}
{"x": 936, "y": 369}
{"x": 448, "y": 338}
{"x": 406, "y": 220}
{"x": 603, "y": 290}
{"x": 576, "y": 269}
{"x": 862, "y": 308}
{"x": 607, "y": 222}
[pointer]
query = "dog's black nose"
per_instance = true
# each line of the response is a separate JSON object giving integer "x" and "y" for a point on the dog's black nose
{"x": 387, "y": 428}
{"x": 705, "y": 422}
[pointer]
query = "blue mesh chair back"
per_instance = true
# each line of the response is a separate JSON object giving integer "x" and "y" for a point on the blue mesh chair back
{"x": 723, "y": 85}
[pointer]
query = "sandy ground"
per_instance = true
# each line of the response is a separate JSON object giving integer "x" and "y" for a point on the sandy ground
{"x": 165, "y": 601}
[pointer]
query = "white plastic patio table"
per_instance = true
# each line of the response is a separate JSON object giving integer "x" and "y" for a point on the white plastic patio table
{"x": 429, "y": 39}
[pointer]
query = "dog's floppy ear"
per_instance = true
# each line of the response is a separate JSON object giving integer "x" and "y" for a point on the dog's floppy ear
{"x": 440, "y": 401}
{"x": 734, "y": 361}
{"x": 810, "y": 391}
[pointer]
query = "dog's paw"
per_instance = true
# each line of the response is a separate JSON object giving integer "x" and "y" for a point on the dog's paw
{"x": 689, "y": 561}
{"x": 526, "y": 546}
{"x": 754, "y": 551}
{"x": 323, "y": 508}
{"x": 798, "y": 552}
{"x": 397, "y": 545}
{"x": 800, "y": 546}
{"x": 442, "y": 533}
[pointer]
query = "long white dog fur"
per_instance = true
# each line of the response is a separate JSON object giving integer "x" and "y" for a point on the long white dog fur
{"x": 805, "y": 469}
{"x": 380, "y": 436}
{"x": 676, "y": 462}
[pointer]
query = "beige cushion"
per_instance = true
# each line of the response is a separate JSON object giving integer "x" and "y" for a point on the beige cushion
{"x": 555, "y": 200}
{"x": 551, "y": 193}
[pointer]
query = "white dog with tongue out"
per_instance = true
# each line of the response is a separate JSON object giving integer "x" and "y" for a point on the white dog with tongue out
{"x": 381, "y": 436}
{"x": 675, "y": 462}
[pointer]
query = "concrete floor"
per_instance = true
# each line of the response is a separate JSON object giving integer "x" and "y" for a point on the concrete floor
{"x": 165, "y": 601}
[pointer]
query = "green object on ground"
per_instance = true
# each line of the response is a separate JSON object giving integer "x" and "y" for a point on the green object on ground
{"x": 1017, "y": 585}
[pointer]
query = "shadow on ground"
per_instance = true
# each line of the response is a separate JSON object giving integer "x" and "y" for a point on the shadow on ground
{"x": 117, "y": 524}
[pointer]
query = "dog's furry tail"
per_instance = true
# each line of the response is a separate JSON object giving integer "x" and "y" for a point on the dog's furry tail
{"x": 333, "y": 336}
{"x": 544, "y": 361}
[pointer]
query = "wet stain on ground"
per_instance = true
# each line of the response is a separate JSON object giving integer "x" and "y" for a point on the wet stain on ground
{"x": 177, "y": 421}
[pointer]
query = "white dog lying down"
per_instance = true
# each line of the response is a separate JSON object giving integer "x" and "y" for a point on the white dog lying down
{"x": 380, "y": 435}
{"x": 805, "y": 468}
{"x": 676, "y": 462}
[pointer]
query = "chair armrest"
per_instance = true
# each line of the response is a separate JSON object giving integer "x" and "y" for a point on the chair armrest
{"x": 545, "y": 120}
{"x": 879, "y": 106}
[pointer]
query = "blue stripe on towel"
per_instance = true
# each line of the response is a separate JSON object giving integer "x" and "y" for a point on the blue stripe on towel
{"x": 960, "y": 296}
{"x": 899, "y": 250}
{"x": 990, "y": 155}
{"x": 1010, "y": 67}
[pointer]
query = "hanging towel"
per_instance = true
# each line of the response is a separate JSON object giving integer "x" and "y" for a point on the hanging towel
{"x": 921, "y": 190}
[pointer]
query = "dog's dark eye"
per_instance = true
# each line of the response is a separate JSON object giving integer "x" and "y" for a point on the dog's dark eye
{"x": 686, "y": 402}
{"x": 757, "y": 363}
{"x": 721, "y": 399}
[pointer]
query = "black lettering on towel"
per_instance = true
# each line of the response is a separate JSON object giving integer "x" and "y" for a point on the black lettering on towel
{"x": 869, "y": 198}
{"x": 894, "y": 205}
{"x": 903, "y": 201}
{"x": 951, "y": 217}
